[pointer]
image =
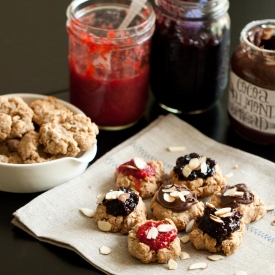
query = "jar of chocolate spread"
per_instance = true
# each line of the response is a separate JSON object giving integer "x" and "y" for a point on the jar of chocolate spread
{"x": 251, "y": 105}
{"x": 190, "y": 54}
{"x": 109, "y": 64}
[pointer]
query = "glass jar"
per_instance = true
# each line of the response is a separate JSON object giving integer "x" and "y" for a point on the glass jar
{"x": 109, "y": 66}
{"x": 251, "y": 102}
{"x": 190, "y": 54}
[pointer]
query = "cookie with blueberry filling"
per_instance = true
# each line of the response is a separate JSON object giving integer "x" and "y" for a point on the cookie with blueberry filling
{"x": 200, "y": 174}
{"x": 120, "y": 210}
{"x": 218, "y": 230}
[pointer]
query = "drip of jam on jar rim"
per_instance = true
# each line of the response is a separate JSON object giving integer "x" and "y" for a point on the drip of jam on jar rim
{"x": 147, "y": 172}
{"x": 216, "y": 230}
{"x": 118, "y": 208}
{"x": 182, "y": 161}
{"x": 162, "y": 240}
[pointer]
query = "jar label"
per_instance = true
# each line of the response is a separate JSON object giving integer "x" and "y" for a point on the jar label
{"x": 251, "y": 105}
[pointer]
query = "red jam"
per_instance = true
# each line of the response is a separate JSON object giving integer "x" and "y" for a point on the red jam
{"x": 118, "y": 101}
{"x": 109, "y": 66}
{"x": 162, "y": 240}
{"x": 148, "y": 172}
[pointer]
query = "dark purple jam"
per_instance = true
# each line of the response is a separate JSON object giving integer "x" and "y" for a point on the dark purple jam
{"x": 119, "y": 208}
{"x": 219, "y": 231}
{"x": 182, "y": 161}
{"x": 189, "y": 65}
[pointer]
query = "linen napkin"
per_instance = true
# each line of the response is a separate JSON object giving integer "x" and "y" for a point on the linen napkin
{"x": 54, "y": 216}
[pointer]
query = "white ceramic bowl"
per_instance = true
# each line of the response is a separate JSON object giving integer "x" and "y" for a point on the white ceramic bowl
{"x": 37, "y": 177}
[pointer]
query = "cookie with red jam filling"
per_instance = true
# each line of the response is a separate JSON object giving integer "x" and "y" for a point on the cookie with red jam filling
{"x": 144, "y": 177}
{"x": 154, "y": 241}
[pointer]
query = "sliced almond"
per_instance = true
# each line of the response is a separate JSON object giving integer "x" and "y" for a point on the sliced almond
{"x": 186, "y": 171}
{"x": 172, "y": 264}
{"x": 185, "y": 239}
{"x": 185, "y": 192}
{"x": 216, "y": 219}
{"x": 184, "y": 255}
{"x": 238, "y": 194}
{"x": 215, "y": 257}
{"x": 270, "y": 207}
{"x": 168, "y": 198}
{"x": 229, "y": 175}
{"x": 105, "y": 250}
{"x": 112, "y": 195}
{"x": 181, "y": 196}
{"x": 172, "y": 189}
{"x": 202, "y": 159}
{"x": 175, "y": 194}
{"x": 165, "y": 227}
{"x": 209, "y": 205}
{"x": 203, "y": 167}
{"x": 273, "y": 223}
{"x": 194, "y": 163}
{"x": 152, "y": 233}
{"x": 129, "y": 166}
{"x": 189, "y": 226}
{"x": 87, "y": 212}
{"x": 123, "y": 197}
{"x": 140, "y": 163}
{"x": 222, "y": 211}
{"x": 230, "y": 191}
{"x": 227, "y": 215}
{"x": 198, "y": 266}
{"x": 176, "y": 148}
{"x": 100, "y": 198}
{"x": 240, "y": 273}
{"x": 104, "y": 226}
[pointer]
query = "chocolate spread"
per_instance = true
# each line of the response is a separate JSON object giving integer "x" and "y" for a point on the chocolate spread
{"x": 233, "y": 202}
{"x": 177, "y": 205}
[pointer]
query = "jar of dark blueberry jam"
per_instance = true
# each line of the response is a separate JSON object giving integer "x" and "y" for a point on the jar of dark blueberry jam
{"x": 190, "y": 53}
{"x": 251, "y": 102}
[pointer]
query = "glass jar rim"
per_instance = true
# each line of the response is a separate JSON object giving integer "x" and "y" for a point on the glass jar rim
{"x": 214, "y": 8}
{"x": 138, "y": 30}
{"x": 250, "y": 26}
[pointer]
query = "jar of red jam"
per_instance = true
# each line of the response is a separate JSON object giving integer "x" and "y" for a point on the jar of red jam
{"x": 190, "y": 54}
{"x": 109, "y": 65}
{"x": 251, "y": 103}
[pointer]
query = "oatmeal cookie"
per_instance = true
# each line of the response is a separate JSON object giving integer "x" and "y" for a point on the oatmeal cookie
{"x": 47, "y": 110}
{"x": 69, "y": 136}
{"x": 154, "y": 241}
{"x": 144, "y": 177}
{"x": 120, "y": 210}
{"x": 198, "y": 173}
{"x": 218, "y": 230}
{"x": 16, "y": 118}
{"x": 176, "y": 203}
{"x": 9, "y": 153}
{"x": 29, "y": 149}
{"x": 245, "y": 201}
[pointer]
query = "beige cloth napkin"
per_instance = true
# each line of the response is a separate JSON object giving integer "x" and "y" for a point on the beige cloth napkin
{"x": 54, "y": 216}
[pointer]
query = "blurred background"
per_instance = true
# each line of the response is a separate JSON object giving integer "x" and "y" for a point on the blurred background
{"x": 33, "y": 42}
